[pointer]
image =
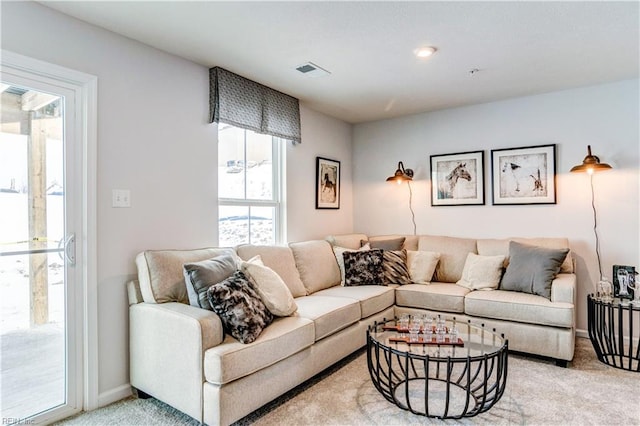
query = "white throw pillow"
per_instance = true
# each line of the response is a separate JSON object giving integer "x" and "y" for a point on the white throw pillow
{"x": 338, "y": 251}
{"x": 422, "y": 264}
{"x": 482, "y": 272}
{"x": 274, "y": 293}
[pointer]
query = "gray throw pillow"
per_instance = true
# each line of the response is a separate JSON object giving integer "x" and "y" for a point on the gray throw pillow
{"x": 386, "y": 244}
{"x": 241, "y": 311}
{"x": 363, "y": 267}
{"x": 199, "y": 276}
{"x": 531, "y": 269}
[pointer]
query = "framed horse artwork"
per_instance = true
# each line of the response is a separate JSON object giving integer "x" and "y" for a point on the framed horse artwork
{"x": 457, "y": 179}
{"x": 327, "y": 183}
{"x": 524, "y": 175}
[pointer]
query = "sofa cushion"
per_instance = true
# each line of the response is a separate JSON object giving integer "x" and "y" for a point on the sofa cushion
{"x": 351, "y": 241}
{"x": 490, "y": 247}
{"x": 272, "y": 290}
{"x": 199, "y": 276}
{"x": 317, "y": 264}
{"x": 532, "y": 269}
{"x": 422, "y": 265}
{"x": 242, "y": 312}
{"x": 482, "y": 272}
{"x": 435, "y": 296}
{"x": 372, "y": 298}
{"x": 453, "y": 254}
{"x": 363, "y": 267}
{"x": 281, "y": 260}
{"x": 395, "y": 267}
{"x": 394, "y": 243}
{"x": 232, "y": 360}
{"x": 161, "y": 275}
{"x": 328, "y": 313}
{"x": 519, "y": 307}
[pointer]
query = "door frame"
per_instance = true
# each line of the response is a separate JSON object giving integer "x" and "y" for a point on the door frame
{"x": 85, "y": 89}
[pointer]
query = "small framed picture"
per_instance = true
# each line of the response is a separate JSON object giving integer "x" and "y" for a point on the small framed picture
{"x": 327, "y": 183}
{"x": 624, "y": 279}
{"x": 524, "y": 175}
{"x": 457, "y": 179}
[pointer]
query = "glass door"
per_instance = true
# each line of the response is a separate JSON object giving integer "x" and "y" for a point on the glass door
{"x": 38, "y": 332}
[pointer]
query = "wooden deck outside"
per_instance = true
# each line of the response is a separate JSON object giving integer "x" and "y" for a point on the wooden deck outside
{"x": 31, "y": 370}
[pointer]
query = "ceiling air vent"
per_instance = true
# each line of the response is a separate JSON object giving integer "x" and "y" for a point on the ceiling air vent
{"x": 310, "y": 69}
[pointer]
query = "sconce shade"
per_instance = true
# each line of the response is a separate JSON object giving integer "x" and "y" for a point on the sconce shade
{"x": 401, "y": 174}
{"x": 590, "y": 164}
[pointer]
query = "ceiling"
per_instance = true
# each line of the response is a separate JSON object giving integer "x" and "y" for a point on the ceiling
{"x": 519, "y": 48}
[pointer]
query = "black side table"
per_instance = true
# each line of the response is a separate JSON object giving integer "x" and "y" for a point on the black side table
{"x": 613, "y": 329}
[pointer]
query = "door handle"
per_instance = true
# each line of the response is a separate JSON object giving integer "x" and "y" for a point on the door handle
{"x": 70, "y": 249}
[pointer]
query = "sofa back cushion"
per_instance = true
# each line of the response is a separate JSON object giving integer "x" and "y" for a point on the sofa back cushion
{"x": 453, "y": 255}
{"x": 280, "y": 259}
{"x": 317, "y": 264}
{"x": 350, "y": 241}
{"x": 492, "y": 247}
{"x": 161, "y": 276}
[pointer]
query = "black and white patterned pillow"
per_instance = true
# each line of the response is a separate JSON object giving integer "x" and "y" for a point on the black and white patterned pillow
{"x": 395, "y": 267}
{"x": 363, "y": 267}
{"x": 242, "y": 312}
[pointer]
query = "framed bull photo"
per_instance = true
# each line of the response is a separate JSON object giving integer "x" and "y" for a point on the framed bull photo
{"x": 327, "y": 183}
{"x": 524, "y": 175}
{"x": 457, "y": 179}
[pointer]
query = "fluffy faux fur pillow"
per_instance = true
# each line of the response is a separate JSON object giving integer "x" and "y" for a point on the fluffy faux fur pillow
{"x": 363, "y": 267}
{"x": 242, "y": 312}
{"x": 339, "y": 251}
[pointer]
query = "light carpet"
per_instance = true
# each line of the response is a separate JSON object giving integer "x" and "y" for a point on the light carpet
{"x": 537, "y": 393}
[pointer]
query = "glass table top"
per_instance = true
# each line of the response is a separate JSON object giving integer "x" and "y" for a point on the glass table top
{"x": 472, "y": 340}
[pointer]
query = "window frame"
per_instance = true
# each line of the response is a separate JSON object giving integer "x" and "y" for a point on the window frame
{"x": 278, "y": 151}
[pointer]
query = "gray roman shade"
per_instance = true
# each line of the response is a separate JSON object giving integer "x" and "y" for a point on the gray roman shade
{"x": 244, "y": 103}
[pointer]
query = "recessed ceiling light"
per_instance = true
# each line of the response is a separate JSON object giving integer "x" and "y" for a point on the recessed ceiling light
{"x": 425, "y": 52}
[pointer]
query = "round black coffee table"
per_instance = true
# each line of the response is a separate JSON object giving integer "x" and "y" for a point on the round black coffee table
{"x": 439, "y": 380}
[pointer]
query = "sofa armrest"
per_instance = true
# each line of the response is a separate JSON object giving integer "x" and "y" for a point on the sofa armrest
{"x": 167, "y": 342}
{"x": 133, "y": 292}
{"x": 563, "y": 288}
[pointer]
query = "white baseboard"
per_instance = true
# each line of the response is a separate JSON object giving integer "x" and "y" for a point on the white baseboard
{"x": 582, "y": 333}
{"x": 113, "y": 395}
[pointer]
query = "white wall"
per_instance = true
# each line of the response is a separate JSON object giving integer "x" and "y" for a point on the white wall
{"x": 154, "y": 139}
{"x": 327, "y": 137}
{"x": 604, "y": 116}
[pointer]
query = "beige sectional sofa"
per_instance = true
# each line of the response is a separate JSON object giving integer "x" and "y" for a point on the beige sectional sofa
{"x": 179, "y": 353}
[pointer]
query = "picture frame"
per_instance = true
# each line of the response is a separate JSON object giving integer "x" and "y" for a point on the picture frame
{"x": 624, "y": 281}
{"x": 327, "y": 183}
{"x": 525, "y": 175}
{"x": 457, "y": 179}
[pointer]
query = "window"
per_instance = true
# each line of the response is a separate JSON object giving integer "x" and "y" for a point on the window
{"x": 249, "y": 187}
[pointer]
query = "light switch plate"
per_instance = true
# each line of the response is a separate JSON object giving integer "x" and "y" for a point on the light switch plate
{"x": 121, "y": 198}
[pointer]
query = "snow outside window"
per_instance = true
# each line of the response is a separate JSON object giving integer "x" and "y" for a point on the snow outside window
{"x": 249, "y": 187}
